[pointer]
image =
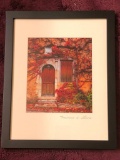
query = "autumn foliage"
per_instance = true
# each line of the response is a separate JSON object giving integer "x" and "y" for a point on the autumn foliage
{"x": 66, "y": 93}
{"x": 77, "y": 49}
{"x": 71, "y": 94}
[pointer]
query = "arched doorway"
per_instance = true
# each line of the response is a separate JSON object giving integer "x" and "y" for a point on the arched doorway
{"x": 48, "y": 80}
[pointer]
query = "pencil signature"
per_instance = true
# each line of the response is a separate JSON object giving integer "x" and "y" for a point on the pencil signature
{"x": 76, "y": 117}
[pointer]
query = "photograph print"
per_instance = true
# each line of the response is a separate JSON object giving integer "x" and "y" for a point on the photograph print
{"x": 59, "y": 75}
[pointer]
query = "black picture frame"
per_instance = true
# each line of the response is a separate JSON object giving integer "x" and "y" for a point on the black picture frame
{"x": 6, "y": 142}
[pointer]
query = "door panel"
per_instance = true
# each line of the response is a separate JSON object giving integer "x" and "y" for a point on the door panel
{"x": 48, "y": 80}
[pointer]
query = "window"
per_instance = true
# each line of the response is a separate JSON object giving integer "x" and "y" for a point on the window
{"x": 66, "y": 71}
{"x": 48, "y": 50}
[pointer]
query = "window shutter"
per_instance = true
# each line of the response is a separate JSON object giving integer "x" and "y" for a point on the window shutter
{"x": 66, "y": 71}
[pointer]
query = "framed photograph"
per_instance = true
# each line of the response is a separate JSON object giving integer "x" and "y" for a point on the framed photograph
{"x": 59, "y": 83}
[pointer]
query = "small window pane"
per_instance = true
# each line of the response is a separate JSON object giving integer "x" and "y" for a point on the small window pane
{"x": 48, "y": 50}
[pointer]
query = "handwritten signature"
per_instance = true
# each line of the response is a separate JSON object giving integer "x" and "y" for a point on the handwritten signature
{"x": 76, "y": 117}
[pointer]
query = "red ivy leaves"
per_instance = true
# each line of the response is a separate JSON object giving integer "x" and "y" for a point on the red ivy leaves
{"x": 79, "y": 49}
{"x": 66, "y": 93}
{"x": 33, "y": 108}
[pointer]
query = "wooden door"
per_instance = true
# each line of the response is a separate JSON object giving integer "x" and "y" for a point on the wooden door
{"x": 48, "y": 80}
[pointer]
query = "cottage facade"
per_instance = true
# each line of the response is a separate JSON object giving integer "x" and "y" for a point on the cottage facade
{"x": 55, "y": 72}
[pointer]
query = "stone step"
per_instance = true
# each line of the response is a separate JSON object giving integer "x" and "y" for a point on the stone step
{"x": 46, "y": 101}
{"x": 47, "y": 98}
{"x": 46, "y": 104}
